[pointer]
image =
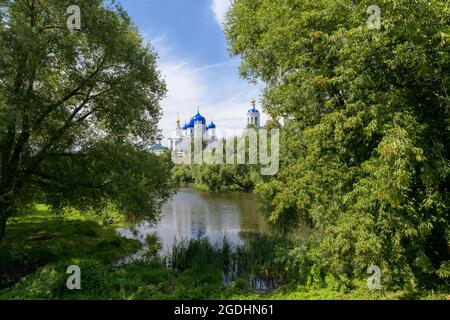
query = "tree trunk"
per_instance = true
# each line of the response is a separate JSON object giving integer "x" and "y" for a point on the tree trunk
{"x": 2, "y": 226}
{"x": 5, "y": 210}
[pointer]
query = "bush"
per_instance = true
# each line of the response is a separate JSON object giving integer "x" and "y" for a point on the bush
{"x": 49, "y": 282}
{"x": 265, "y": 257}
{"x": 182, "y": 175}
{"x": 17, "y": 260}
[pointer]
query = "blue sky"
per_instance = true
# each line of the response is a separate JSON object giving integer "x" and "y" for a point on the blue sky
{"x": 194, "y": 61}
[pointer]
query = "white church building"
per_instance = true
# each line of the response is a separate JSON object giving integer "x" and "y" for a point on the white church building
{"x": 193, "y": 129}
{"x": 198, "y": 127}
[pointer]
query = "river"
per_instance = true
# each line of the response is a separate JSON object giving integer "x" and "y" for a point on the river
{"x": 193, "y": 213}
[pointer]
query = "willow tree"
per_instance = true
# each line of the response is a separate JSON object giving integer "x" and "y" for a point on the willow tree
{"x": 365, "y": 157}
{"x": 77, "y": 109}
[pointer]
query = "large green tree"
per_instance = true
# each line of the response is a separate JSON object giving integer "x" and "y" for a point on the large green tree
{"x": 77, "y": 109}
{"x": 366, "y": 116}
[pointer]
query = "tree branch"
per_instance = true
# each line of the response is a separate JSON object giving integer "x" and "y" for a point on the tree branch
{"x": 71, "y": 94}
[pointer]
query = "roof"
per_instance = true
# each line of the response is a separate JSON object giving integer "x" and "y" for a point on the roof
{"x": 157, "y": 147}
{"x": 198, "y": 117}
{"x": 211, "y": 125}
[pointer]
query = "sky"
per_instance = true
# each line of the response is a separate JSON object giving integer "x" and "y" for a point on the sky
{"x": 194, "y": 61}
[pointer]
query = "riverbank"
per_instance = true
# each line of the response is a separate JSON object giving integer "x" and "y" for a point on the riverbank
{"x": 42, "y": 238}
{"x": 205, "y": 188}
{"x": 40, "y": 247}
{"x": 217, "y": 178}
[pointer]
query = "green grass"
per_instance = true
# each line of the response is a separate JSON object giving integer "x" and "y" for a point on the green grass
{"x": 41, "y": 238}
{"x": 74, "y": 236}
{"x": 40, "y": 246}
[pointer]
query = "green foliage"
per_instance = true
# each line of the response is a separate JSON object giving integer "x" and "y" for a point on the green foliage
{"x": 262, "y": 256}
{"x": 273, "y": 259}
{"x": 200, "y": 275}
{"x": 364, "y": 154}
{"x": 49, "y": 282}
{"x": 42, "y": 238}
{"x": 218, "y": 177}
{"x": 444, "y": 270}
{"x": 182, "y": 175}
{"x": 223, "y": 175}
{"x": 197, "y": 253}
{"x": 16, "y": 261}
{"x": 78, "y": 111}
{"x": 154, "y": 245}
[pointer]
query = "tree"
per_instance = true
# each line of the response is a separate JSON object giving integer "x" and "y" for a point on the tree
{"x": 227, "y": 177}
{"x": 77, "y": 110}
{"x": 365, "y": 127}
{"x": 219, "y": 177}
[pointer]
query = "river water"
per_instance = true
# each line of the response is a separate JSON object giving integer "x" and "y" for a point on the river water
{"x": 192, "y": 213}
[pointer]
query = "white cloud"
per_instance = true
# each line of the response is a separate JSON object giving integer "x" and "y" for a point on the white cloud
{"x": 216, "y": 89}
{"x": 220, "y": 8}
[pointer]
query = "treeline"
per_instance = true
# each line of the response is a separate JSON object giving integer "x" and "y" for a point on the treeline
{"x": 218, "y": 177}
{"x": 217, "y": 173}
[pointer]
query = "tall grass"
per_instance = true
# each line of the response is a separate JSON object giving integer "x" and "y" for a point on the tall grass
{"x": 200, "y": 252}
{"x": 263, "y": 259}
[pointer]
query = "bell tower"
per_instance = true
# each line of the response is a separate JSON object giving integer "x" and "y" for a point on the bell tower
{"x": 253, "y": 116}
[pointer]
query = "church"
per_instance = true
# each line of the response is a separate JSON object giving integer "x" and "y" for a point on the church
{"x": 197, "y": 127}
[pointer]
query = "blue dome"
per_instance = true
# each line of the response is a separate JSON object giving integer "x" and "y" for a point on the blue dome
{"x": 211, "y": 125}
{"x": 253, "y": 110}
{"x": 198, "y": 117}
{"x": 190, "y": 124}
{"x": 184, "y": 127}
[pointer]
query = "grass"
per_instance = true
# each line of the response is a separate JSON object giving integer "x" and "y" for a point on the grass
{"x": 73, "y": 236}
{"x": 41, "y": 238}
{"x": 40, "y": 247}
{"x": 197, "y": 253}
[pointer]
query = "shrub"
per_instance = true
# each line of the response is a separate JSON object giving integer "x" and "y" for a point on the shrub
{"x": 49, "y": 282}
{"x": 17, "y": 260}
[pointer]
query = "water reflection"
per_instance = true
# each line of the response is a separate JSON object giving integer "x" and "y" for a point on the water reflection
{"x": 194, "y": 214}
